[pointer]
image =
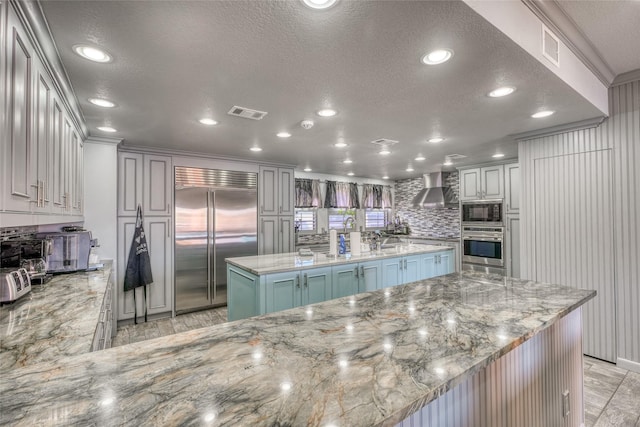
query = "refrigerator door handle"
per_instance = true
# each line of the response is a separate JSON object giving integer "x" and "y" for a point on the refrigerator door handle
{"x": 209, "y": 254}
{"x": 212, "y": 239}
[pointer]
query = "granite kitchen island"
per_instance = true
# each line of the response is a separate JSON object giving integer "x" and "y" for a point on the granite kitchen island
{"x": 370, "y": 359}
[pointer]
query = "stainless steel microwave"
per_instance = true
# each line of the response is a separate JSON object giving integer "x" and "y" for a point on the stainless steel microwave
{"x": 483, "y": 212}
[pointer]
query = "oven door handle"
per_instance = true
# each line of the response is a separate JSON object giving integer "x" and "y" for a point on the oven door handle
{"x": 484, "y": 239}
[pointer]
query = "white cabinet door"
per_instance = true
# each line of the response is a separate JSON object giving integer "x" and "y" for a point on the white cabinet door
{"x": 129, "y": 183}
{"x": 492, "y": 182}
{"x": 287, "y": 237}
{"x": 268, "y": 191}
{"x": 286, "y": 196}
{"x": 56, "y": 189}
{"x": 158, "y": 186}
{"x": 42, "y": 154}
{"x": 470, "y": 184}
{"x": 512, "y": 188}
{"x": 159, "y": 241}
{"x": 512, "y": 246}
{"x": 269, "y": 235}
{"x": 17, "y": 136}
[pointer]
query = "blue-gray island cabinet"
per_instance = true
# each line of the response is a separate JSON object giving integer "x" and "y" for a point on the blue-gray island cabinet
{"x": 267, "y": 283}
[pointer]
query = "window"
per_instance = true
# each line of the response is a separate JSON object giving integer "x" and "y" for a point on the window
{"x": 305, "y": 219}
{"x": 375, "y": 218}
{"x": 338, "y": 216}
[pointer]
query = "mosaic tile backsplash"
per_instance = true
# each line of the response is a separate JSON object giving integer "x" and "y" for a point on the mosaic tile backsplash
{"x": 443, "y": 223}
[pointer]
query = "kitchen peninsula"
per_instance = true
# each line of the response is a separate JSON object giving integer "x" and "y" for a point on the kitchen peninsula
{"x": 370, "y": 359}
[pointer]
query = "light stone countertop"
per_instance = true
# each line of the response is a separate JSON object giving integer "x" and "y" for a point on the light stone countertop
{"x": 54, "y": 320}
{"x": 277, "y": 263}
{"x": 367, "y": 360}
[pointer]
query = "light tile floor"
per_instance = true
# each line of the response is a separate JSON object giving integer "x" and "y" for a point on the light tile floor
{"x": 612, "y": 395}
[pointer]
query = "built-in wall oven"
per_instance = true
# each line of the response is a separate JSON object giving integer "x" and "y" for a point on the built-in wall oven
{"x": 483, "y": 248}
{"x": 482, "y": 212}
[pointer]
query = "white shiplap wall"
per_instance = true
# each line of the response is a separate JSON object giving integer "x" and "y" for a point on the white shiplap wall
{"x": 590, "y": 238}
{"x": 522, "y": 388}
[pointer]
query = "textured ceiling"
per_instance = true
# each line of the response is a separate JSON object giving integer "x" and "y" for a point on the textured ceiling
{"x": 612, "y": 27}
{"x": 177, "y": 61}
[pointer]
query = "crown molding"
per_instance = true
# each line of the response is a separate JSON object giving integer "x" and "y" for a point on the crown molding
{"x": 105, "y": 140}
{"x": 628, "y": 77}
{"x": 554, "y": 17}
{"x": 554, "y": 130}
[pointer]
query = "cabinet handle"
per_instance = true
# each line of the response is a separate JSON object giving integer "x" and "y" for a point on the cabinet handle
{"x": 507, "y": 207}
{"x": 405, "y": 264}
{"x": 362, "y": 271}
{"x": 262, "y": 226}
{"x": 281, "y": 226}
{"x": 261, "y": 210}
{"x": 356, "y": 272}
{"x": 168, "y": 208}
{"x": 305, "y": 281}
{"x": 298, "y": 282}
{"x": 280, "y": 209}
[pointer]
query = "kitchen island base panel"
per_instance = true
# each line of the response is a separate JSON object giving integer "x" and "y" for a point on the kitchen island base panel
{"x": 522, "y": 388}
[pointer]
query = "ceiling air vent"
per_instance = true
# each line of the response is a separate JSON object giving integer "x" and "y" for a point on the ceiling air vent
{"x": 550, "y": 46}
{"x": 247, "y": 113}
{"x": 384, "y": 142}
{"x": 455, "y": 156}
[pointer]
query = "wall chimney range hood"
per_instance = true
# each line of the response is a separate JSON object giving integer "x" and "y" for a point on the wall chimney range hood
{"x": 434, "y": 195}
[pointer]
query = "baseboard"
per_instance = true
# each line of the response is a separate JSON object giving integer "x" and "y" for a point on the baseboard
{"x": 628, "y": 365}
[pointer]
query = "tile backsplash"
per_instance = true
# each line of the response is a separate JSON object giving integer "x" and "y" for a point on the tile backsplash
{"x": 428, "y": 222}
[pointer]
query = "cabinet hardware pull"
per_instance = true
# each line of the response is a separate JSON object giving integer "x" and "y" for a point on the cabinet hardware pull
{"x": 281, "y": 226}
{"x": 280, "y": 209}
{"x": 305, "y": 281}
{"x": 262, "y": 226}
{"x": 298, "y": 282}
{"x": 168, "y": 208}
{"x": 356, "y": 272}
{"x": 405, "y": 264}
{"x": 362, "y": 271}
{"x": 261, "y": 210}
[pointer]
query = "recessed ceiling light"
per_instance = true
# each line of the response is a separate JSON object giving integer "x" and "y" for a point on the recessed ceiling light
{"x": 327, "y": 112}
{"x": 497, "y": 155}
{"x": 384, "y": 151}
{"x": 385, "y": 177}
{"x": 437, "y": 56}
{"x": 283, "y": 134}
{"x": 436, "y": 140}
{"x": 409, "y": 169}
{"x": 347, "y": 161}
{"x": 447, "y": 162}
{"x": 107, "y": 129}
{"x": 207, "y": 121}
{"x": 319, "y": 4}
{"x": 307, "y": 169}
{"x": 541, "y": 114}
{"x": 256, "y": 149}
{"x": 340, "y": 144}
{"x": 420, "y": 158}
{"x": 350, "y": 174}
{"x": 92, "y": 53}
{"x": 502, "y": 91}
{"x": 102, "y": 102}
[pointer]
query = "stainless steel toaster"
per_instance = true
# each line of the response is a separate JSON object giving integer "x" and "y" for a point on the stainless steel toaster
{"x": 14, "y": 283}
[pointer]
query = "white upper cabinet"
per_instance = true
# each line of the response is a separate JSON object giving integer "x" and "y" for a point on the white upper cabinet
{"x": 40, "y": 145}
{"x": 157, "y": 183}
{"x": 147, "y": 180}
{"x": 276, "y": 188}
{"x": 512, "y": 188}
{"x": 482, "y": 183}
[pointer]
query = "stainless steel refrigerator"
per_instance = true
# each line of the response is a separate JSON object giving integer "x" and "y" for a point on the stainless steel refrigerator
{"x": 216, "y": 217}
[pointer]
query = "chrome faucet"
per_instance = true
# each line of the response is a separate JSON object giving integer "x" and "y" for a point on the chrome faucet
{"x": 346, "y": 222}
